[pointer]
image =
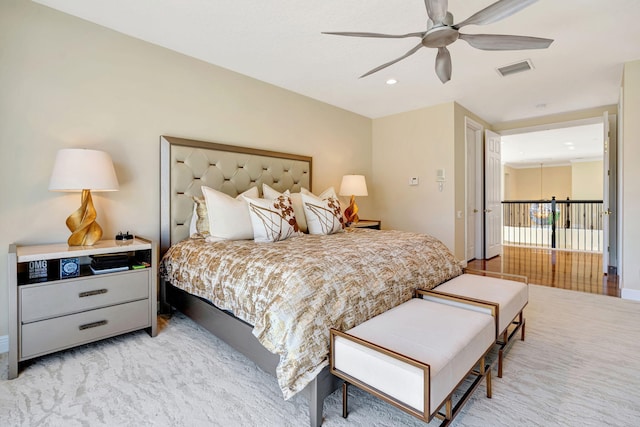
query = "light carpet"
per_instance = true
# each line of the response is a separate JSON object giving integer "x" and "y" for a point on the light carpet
{"x": 579, "y": 366}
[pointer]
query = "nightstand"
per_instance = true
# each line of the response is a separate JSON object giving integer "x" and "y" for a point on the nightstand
{"x": 50, "y": 311}
{"x": 373, "y": 224}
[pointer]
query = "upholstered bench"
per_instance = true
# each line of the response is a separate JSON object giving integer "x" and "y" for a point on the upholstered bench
{"x": 415, "y": 355}
{"x": 501, "y": 294}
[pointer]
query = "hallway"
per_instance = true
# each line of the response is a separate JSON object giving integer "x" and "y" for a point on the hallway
{"x": 579, "y": 271}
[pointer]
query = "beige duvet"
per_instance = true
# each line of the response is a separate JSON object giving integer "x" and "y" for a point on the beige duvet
{"x": 293, "y": 291}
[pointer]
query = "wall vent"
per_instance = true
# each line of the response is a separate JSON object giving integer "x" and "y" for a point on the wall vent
{"x": 517, "y": 67}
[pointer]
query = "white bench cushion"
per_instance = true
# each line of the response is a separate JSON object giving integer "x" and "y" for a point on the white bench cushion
{"x": 511, "y": 296}
{"x": 449, "y": 339}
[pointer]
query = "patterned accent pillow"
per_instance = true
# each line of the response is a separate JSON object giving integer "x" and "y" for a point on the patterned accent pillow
{"x": 324, "y": 216}
{"x": 228, "y": 216}
{"x": 296, "y": 201}
{"x": 329, "y": 192}
{"x": 272, "y": 220}
{"x": 199, "y": 226}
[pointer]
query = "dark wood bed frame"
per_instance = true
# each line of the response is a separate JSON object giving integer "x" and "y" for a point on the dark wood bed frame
{"x": 224, "y": 325}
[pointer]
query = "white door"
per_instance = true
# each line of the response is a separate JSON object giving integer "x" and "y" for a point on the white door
{"x": 492, "y": 195}
{"x": 473, "y": 194}
{"x": 605, "y": 194}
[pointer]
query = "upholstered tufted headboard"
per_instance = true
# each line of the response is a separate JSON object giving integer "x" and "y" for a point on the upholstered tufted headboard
{"x": 186, "y": 165}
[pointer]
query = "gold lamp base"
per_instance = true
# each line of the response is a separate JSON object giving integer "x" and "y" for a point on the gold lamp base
{"x": 351, "y": 213}
{"x": 85, "y": 231}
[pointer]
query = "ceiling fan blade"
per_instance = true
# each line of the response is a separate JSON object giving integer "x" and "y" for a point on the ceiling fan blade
{"x": 443, "y": 64}
{"x": 505, "y": 42}
{"x": 378, "y": 35}
{"x": 375, "y": 70}
{"x": 495, "y": 12}
{"x": 437, "y": 9}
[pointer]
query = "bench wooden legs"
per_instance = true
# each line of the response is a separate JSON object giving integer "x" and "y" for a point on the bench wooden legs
{"x": 507, "y": 339}
{"x": 448, "y": 409}
{"x": 484, "y": 371}
{"x": 345, "y": 385}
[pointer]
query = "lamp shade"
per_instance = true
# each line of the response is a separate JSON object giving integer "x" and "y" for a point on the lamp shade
{"x": 78, "y": 169}
{"x": 353, "y": 185}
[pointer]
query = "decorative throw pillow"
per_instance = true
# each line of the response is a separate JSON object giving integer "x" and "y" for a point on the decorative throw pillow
{"x": 200, "y": 219}
{"x": 329, "y": 192}
{"x": 324, "y": 216}
{"x": 193, "y": 232}
{"x": 272, "y": 220}
{"x": 296, "y": 200}
{"x": 228, "y": 217}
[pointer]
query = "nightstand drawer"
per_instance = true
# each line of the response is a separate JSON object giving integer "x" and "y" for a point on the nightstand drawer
{"x": 44, "y": 301}
{"x": 63, "y": 332}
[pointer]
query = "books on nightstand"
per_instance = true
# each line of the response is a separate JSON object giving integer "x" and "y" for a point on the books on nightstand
{"x": 109, "y": 263}
{"x": 107, "y": 270}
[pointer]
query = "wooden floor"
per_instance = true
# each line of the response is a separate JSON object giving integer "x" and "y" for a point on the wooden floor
{"x": 579, "y": 271}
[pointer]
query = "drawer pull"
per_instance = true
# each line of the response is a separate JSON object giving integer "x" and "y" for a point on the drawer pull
{"x": 92, "y": 293}
{"x": 92, "y": 325}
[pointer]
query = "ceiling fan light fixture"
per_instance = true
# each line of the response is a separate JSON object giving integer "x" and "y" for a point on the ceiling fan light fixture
{"x": 441, "y": 33}
{"x": 515, "y": 68}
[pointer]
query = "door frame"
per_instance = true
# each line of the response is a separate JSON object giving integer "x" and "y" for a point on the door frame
{"x": 478, "y": 130}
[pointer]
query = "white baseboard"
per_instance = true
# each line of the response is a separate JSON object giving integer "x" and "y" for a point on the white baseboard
{"x": 632, "y": 294}
{"x": 4, "y": 344}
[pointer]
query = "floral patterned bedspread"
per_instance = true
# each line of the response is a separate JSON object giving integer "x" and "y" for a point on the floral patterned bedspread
{"x": 293, "y": 291}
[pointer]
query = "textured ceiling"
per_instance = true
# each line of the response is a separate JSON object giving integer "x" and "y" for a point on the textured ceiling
{"x": 279, "y": 42}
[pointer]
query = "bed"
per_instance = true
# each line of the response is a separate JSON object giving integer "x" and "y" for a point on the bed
{"x": 275, "y": 302}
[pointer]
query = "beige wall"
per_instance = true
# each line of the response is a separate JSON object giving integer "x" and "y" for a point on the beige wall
{"x": 526, "y": 183}
{"x": 416, "y": 144}
{"x": 69, "y": 83}
{"x": 586, "y": 179}
{"x": 509, "y": 187}
{"x": 580, "y": 181}
{"x": 631, "y": 181}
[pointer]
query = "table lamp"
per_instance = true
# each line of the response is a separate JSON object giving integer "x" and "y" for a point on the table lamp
{"x": 353, "y": 185}
{"x": 83, "y": 170}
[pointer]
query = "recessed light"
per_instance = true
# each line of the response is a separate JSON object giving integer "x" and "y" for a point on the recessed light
{"x": 392, "y": 81}
{"x": 571, "y": 148}
{"x": 568, "y": 143}
{"x": 541, "y": 106}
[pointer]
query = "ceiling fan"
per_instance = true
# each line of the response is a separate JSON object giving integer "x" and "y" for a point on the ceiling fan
{"x": 441, "y": 32}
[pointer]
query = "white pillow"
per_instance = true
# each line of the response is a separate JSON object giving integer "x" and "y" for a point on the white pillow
{"x": 324, "y": 216}
{"x": 329, "y": 192}
{"x": 272, "y": 220}
{"x": 296, "y": 200}
{"x": 228, "y": 217}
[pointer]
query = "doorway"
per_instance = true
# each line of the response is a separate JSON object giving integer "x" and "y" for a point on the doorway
{"x": 474, "y": 187}
{"x": 474, "y": 232}
{"x": 577, "y": 163}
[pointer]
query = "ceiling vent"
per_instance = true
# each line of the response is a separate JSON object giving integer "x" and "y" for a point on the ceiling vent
{"x": 518, "y": 67}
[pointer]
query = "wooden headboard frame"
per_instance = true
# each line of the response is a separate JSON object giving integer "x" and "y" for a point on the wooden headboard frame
{"x": 186, "y": 165}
